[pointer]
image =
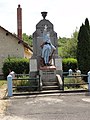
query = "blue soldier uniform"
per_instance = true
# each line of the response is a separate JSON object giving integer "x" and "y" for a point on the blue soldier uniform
{"x": 47, "y": 46}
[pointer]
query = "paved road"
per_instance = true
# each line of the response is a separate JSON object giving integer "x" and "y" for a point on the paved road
{"x": 49, "y": 107}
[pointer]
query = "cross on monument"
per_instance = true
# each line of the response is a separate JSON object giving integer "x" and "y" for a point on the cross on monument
{"x": 45, "y": 27}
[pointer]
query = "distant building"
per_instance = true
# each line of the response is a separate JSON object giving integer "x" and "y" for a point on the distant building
{"x": 12, "y": 46}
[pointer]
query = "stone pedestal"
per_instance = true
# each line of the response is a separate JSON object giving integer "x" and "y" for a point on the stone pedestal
{"x": 48, "y": 73}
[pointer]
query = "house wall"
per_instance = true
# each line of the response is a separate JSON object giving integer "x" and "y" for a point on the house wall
{"x": 9, "y": 47}
{"x": 27, "y": 53}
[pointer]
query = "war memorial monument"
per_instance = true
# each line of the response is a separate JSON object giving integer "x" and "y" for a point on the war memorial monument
{"x": 51, "y": 72}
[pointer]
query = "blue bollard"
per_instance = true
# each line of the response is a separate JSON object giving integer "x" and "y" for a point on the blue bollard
{"x": 9, "y": 85}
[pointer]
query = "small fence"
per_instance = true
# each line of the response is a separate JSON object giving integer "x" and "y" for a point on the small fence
{"x": 76, "y": 84}
{"x": 10, "y": 80}
{"x": 17, "y": 78}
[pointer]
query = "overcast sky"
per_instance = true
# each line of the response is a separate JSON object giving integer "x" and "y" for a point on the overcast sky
{"x": 65, "y": 15}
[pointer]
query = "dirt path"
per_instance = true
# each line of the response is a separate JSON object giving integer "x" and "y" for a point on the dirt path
{"x": 3, "y": 102}
{"x": 59, "y": 106}
{"x": 48, "y": 107}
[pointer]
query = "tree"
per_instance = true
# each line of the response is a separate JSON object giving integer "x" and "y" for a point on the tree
{"x": 68, "y": 46}
{"x": 83, "y": 47}
{"x": 27, "y": 39}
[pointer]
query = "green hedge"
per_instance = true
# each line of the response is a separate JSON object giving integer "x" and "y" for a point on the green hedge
{"x": 69, "y": 63}
{"x": 21, "y": 65}
{"x": 18, "y": 65}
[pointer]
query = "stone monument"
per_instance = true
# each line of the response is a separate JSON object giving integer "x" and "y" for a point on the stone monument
{"x": 35, "y": 61}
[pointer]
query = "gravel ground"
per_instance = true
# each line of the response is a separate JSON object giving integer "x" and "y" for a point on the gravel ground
{"x": 3, "y": 102}
{"x": 48, "y": 107}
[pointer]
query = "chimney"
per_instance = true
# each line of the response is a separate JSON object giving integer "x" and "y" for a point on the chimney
{"x": 19, "y": 22}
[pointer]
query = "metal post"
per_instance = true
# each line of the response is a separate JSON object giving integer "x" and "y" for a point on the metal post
{"x": 9, "y": 85}
{"x": 89, "y": 81}
{"x": 39, "y": 82}
{"x": 63, "y": 82}
{"x": 70, "y": 71}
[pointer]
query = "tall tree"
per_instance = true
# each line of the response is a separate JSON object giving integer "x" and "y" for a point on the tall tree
{"x": 68, "y": 46}
{"x": 83, "y": 48}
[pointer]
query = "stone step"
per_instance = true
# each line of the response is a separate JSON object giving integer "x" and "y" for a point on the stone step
{"x": 49, "y": 80}
{"x": 50, "y": 91}
{"x": 49, "y": 83}
{"x": 55, "y": 87}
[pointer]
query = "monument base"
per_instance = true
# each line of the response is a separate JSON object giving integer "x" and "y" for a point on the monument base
{"x": 48, "y": 73}
{"x": 48, "y": 68}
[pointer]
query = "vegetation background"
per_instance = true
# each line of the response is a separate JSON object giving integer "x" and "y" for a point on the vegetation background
{"x": 76, "y": 47}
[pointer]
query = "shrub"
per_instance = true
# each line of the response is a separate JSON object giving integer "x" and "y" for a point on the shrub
{"x": 69, "y": 63}
{"x": 18, "y": 65}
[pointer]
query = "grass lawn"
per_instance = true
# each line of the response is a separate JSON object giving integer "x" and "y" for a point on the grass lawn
{"x": 2, "y": 82}
{"x": 75, "y": 81}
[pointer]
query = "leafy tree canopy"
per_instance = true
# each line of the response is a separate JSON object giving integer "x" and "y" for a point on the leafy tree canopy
{"x": 27, "y": 38}
{"x": 68, "y": 46}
